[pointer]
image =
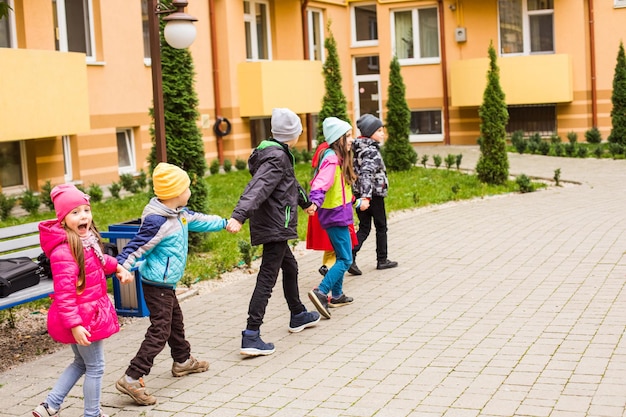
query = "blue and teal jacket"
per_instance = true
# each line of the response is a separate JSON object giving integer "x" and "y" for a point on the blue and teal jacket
{"x": 271, "y": 198}
{"x": 159, "y": 249}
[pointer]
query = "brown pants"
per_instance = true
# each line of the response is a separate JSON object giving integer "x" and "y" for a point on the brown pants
{"x": 166, "y": 327}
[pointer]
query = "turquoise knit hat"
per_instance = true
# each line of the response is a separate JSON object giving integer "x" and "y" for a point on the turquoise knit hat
{"x": 334, "y": 129}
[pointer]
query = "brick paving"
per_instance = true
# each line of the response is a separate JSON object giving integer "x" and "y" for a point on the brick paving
{"x": 503, "y": 306}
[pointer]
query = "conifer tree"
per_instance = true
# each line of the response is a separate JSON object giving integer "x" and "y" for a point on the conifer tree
{"x": 618, "y": 98}
{"x": 184, "y": 144}
{"x": 334, "y": 102}
{"x": 493, "y": 163}
{"x": 398, "y": 153}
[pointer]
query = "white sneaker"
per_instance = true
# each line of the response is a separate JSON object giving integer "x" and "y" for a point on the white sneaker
{"x": 43, "y": 410}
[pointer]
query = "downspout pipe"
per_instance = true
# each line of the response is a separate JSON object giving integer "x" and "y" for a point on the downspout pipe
{"x": 216, "y": 81}
{"x": 307, "y": 55}
{"x": 444, "y": 75}
{"x": 592, "y": 64}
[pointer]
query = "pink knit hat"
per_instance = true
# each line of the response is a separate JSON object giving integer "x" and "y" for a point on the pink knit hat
{"x": 66, "y": 197}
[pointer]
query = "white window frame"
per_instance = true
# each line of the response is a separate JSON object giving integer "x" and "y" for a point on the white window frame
{"x": 320, "y": 29}
{"x": 145, "y": 31}
{"x": 67, "y": 158}
{"x": 526, "y": 43}
{"x": 619, "y": 3}
{"x": 417, "y": 59}
{"x": 10, "y": 20}
{"x": 62, "y": 29}
{"x": 129, "y": 140}
{"x": 430, "y": 137}
{"x": 251, "y": 19}
{"x": 355, "y": 42}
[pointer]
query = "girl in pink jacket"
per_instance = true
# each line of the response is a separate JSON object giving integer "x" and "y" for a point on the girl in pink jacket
{"x": 81, "y": 313}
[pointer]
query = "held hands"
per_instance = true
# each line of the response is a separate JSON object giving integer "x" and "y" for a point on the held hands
{"x": 365, "y": 204}
{"x": 311, "y": 209}
{"x": 81, "y": 335}
{"x": 233, "y": 225}
{"x": 124, "y": 275}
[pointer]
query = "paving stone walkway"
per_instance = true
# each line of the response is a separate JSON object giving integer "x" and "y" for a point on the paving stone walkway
{"x": 503, "y": 306}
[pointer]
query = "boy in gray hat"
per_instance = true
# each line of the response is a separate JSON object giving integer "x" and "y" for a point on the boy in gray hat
{"x": 371, "y": 187}
{"x": 270, "y": 201}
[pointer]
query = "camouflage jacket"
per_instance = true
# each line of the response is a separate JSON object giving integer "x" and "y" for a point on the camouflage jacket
{"x": 369, "y": 166}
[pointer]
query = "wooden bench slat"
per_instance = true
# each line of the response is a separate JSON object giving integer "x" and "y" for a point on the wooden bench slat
{"x": 19, "y": 243}
{"x": 41, "y": 290}
{"x": 22, "y": 229}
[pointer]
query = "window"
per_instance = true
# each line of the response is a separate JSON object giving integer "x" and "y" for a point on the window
{"x": 316, "y": 35}
{"x": 364, "y": 25}
{"x": 7, "y": 27}
{"x": 125, "y": 151}
{"x": 145, "y": 27}
{"x": 67, "y": 158}
{"x": 619, "y": 3}
{"x": 73, "y": 21}
{"x": 260, "y": 129}
{"x": 532, "y": 119}
{"x": 426, "y": 126}
{"x": 415, "y": 35}
{"x": 256, "y": 18}
{"x": 11, "y": 165}
{"x": 526, "y": 26}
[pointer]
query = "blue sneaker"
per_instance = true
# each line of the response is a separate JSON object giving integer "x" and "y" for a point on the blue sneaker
{"x": 252, "y": 345}
{"x": 303, "y": 320}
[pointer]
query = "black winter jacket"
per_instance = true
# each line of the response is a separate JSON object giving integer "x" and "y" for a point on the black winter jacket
{"x": 271, "y": 197}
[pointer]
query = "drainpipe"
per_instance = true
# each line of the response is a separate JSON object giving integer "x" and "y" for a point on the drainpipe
{"x": 444, "y": 75}
{"x": 592, "y": 64}
{"x": 305, "y": 42}
{"x": 216, "y": 80}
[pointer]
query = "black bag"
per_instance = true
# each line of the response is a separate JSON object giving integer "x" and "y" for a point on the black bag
{"x": 17, "y": 274}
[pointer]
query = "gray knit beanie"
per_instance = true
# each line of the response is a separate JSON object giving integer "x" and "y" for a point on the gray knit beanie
{"x": 286, "y": 125}
{"x": 368, "y": 124}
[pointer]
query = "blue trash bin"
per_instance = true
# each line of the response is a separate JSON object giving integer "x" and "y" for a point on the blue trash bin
{"x": 129, "y": 299}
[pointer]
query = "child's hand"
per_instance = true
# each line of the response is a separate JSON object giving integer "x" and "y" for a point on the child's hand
{"x": 365, "y": 204}
{"x": 81, "y": 335}
{"x": 311, "y": 209}
{"x": 124, "y": 275}
{"x": 233, "y": 225}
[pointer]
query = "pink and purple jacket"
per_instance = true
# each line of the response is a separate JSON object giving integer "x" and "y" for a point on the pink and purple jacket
{"x": 92, "y": 309}
{"x": 330, "y": 194}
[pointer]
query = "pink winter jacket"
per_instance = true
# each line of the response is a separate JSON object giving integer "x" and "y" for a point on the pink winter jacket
{"x": 92, "y": 309}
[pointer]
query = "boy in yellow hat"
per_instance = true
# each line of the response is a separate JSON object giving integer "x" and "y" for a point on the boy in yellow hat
{"x": 159, "y": 250}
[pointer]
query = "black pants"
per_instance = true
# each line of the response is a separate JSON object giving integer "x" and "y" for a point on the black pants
{"x": 376, "y": 212}
{"x": 276, "y": 255}
{"x": 166, "y": 327}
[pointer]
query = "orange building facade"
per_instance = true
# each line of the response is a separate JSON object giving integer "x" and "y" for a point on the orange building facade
{"x": 76, "y": 86}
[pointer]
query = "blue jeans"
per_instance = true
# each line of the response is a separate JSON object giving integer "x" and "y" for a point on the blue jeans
{"x": 88, "y": 360}
{"x": 342, "y": 244}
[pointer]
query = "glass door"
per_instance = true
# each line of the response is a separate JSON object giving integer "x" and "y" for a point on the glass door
{"x": 367, "y": 97}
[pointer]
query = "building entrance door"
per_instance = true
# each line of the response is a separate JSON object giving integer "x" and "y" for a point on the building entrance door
{"x": 367, "y": 97}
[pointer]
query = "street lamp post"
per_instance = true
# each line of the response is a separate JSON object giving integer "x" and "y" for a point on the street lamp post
{"x": 179, "y": 33}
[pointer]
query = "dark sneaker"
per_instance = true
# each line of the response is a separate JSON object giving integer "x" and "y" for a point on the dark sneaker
{"x": 252, "y": 345}
{"x": 44, "y": 410}
{"x": 303, "y": 320}
{"x": 342, "y": 300}
{"x": 386, "y": 264}
{"x": 136, "y": 391}
{"x": 323, "y": 270}
{"x": 190, "y": 367}
{"x": 320, "y": 301}
{"x": 354, "y": 269}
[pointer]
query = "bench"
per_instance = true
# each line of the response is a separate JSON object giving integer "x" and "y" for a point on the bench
{"x": 23, "y": 240}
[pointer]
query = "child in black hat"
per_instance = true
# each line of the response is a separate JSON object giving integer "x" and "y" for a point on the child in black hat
{"x": 371, "y": 187}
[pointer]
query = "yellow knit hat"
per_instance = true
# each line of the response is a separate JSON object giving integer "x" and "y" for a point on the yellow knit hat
{"x": 169, "y": 181}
